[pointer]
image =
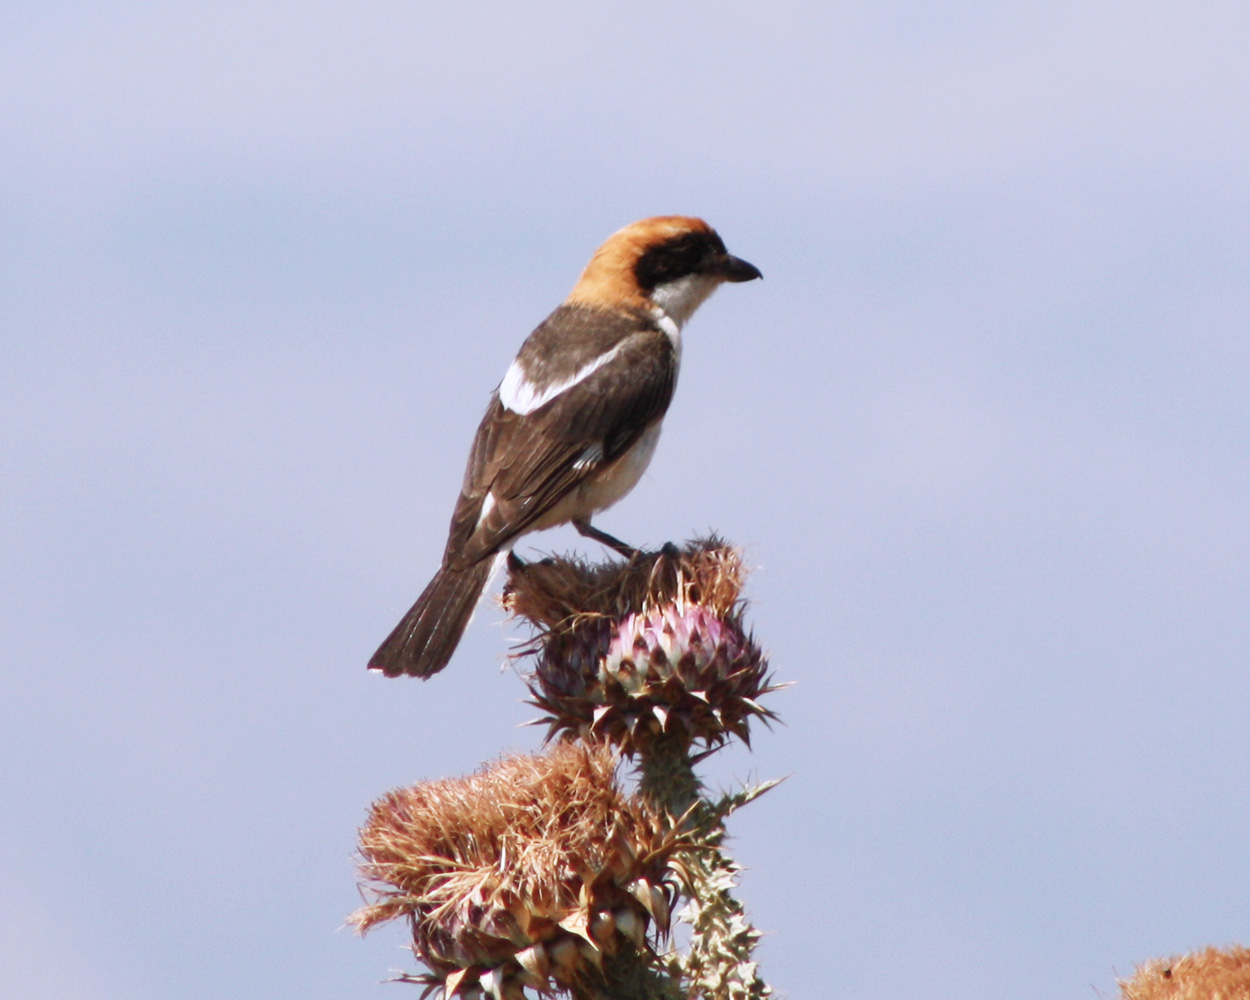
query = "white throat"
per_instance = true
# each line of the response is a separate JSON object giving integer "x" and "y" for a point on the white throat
{"x": 678, "y": 300}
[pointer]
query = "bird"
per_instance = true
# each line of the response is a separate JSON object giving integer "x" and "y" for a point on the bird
{"x": 573, "y": 424}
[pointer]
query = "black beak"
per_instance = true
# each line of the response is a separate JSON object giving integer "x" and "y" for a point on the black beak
{"x": 732, "y": 268}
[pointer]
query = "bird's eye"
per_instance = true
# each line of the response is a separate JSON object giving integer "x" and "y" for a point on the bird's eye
{"x": 672, "y": 260}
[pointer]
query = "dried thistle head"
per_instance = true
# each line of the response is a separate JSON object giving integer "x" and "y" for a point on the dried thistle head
{"x": 556, "y": 594}
{"x": 523, "y": 874}
{"x": 1201, "y": 975}
{"x": 655, "y": 646}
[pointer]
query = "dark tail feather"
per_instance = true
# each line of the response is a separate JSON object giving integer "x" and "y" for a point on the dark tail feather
{"x": 423, "y": 642}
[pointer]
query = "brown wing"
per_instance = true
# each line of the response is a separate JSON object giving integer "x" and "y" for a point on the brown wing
{"x": 530, "y": 462}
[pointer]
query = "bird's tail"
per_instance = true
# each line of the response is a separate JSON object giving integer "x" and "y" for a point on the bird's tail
{"x": 423, "y": 642}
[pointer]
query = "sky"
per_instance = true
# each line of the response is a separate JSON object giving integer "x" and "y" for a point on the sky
{"x": 983, "y": 430}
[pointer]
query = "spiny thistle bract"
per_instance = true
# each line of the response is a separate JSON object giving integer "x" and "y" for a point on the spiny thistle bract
{"x": 524, "y": 874}
{"x": 652, "y": 647}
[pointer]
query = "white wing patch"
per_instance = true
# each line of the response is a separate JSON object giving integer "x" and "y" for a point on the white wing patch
{"x": 521, "y": 396}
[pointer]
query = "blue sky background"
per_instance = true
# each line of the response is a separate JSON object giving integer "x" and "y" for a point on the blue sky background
{"x": 983, "y": 428}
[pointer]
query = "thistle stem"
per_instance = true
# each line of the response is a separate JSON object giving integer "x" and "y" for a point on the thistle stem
{"x": 627, "y": 975}
{"x": 667, "y": 777}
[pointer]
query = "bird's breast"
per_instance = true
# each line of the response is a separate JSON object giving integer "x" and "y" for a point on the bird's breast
{"x": 600, "y": 491}
{"x": 605, "y": 489}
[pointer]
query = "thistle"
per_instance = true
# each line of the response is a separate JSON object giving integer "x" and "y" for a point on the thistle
{"x": 653, "y": 657}
{"x": 541, "y": 872}
{"x": 1203, "y": 975}
{"x": 530, "y": 873}
{"x": 652, "y": 650}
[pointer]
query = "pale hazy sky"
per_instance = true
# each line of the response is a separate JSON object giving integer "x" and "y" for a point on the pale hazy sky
{"x": 984, "y": 428}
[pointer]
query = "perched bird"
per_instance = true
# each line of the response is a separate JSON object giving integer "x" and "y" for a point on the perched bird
{"x": 574, "y": 422}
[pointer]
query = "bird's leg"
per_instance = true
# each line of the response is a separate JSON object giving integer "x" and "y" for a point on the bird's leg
{"x": 587, "y": 530}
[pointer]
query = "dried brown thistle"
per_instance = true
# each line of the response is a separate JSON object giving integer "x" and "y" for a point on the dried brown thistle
{"x": 558, "y": 594}
{"x": 651, "y": 648}
{"x": 526, "y": 873}
{"x": 1212, "y": 974}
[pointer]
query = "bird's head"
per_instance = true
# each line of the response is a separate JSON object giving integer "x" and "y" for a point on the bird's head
{"x": 670, "y": 262}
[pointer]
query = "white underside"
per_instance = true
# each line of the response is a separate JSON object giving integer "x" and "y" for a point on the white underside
{"x": 598, "y": 492}
{"x": 620, "y": 477}
{"x": 601, "y": 491}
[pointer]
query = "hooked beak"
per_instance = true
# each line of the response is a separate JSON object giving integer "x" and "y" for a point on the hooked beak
{"x": 731, "y": 268}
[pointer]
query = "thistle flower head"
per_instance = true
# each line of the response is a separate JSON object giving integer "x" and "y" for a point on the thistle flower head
{"x": 523, "y": 874}
{"x": 651, "y": 648}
